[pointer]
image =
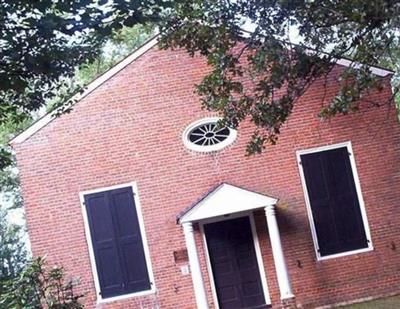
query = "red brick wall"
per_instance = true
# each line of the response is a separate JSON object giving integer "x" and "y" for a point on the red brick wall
{"x": 130, "y": 129}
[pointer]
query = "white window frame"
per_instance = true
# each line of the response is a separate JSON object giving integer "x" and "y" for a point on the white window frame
{"x": 204, "y": 149}
{"x": 256, "y": 248}
{"x": 152, "y": 289}
{"x": 359, "y": 195}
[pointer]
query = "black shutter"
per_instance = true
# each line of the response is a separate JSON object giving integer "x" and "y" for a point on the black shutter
{"x": 334, "y": 201}
{"x": 117, "y": 242}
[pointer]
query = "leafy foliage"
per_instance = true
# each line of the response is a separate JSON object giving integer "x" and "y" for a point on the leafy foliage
{"x": 9, "y": 180}
{"x": 13, "y": 250}
{"x": 39, "y": 287}
{"x": 43, "y": 42}
{"x": 120, "y": 44}
{"x": 13, "y": 253}
{"x": 279, "y": 70}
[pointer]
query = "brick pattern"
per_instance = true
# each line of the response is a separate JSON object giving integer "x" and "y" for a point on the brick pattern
{"x": 130, "y": 129}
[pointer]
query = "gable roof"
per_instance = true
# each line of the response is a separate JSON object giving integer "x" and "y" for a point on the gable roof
{"x": 46, "y": 119}
{"x": 223, "y": 200}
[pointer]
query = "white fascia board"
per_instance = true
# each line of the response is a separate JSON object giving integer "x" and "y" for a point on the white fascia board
{"x": 348, "y": 63}
{"x": 42, "y": 122}
{"x": 356, "y": 65}
{"x": 224, "y": 200}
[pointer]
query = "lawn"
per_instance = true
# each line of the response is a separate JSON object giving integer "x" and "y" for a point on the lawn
{"x": 384, "y": 303}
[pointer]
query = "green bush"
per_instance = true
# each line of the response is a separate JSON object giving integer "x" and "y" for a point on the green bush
{"x": 40, "y": 287}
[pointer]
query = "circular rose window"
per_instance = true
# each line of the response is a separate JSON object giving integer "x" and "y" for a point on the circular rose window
{"x": 206, "y": 135}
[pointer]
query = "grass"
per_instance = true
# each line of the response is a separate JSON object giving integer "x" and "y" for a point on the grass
{"x": 384, "y": 303}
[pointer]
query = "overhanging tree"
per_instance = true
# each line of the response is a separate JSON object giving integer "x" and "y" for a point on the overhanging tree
{"x": 43, "y": 41}
{"x": 23, "y": 282}
{"x": 365, "y": 31}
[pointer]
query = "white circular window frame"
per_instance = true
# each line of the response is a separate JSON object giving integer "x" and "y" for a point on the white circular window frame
{"x": 210, "y": 148}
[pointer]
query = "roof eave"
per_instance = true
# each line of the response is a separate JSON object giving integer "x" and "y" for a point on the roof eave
{"x": 46, "y": 119}
{"x": 356, "y": 65}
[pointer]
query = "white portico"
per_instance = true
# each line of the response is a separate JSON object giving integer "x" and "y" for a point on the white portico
{"x": 219, "y": 206}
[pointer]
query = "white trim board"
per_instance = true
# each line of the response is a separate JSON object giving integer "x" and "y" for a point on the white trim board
{"x": 359, "y": 195}
{"x": 256, "y": 248}
{"x": 42, "y": 122}
{"x": 224, "y": 200}
{"x": 46, "y": 119}
{"x": 207, "y": 148}
{"x": 356, "y": 65}
{"x": 99, "y": 298}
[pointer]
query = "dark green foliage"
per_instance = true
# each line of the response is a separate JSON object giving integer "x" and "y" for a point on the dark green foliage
{"x": 13, "y": 253}
{"x": 42, "y": 43}
{"x": 9, "y": 180}
{"x": 40, "y": 287}
{"x": 119, "y": 45}
{"x": 280, "y": 71}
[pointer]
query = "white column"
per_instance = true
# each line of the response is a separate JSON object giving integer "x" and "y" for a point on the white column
{"x": 197, "y": 278}
{"x": 285, "y": 288}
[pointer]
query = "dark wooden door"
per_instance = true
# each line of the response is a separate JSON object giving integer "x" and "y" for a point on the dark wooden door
{"x": 234, "y": 264}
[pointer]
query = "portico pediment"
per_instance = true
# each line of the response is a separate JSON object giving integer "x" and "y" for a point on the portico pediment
{"x": 224, "y": 200}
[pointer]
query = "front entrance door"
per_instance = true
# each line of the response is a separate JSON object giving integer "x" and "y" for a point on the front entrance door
{"x": 234, "y": 264}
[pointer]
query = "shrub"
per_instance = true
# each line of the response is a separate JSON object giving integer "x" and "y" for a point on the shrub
{"x": 40, "y": 287}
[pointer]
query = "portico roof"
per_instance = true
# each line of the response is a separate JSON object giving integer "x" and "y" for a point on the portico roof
{"x": 223, "y": 200}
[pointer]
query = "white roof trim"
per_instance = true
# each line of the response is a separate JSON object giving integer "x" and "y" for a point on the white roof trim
{"x": 356, "y": 65}
{"x": 226, "y": 199}
{"x": 42, "y": 122}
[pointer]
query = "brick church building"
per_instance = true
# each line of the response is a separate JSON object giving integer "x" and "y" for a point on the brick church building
{"x": 142, "y": 196}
